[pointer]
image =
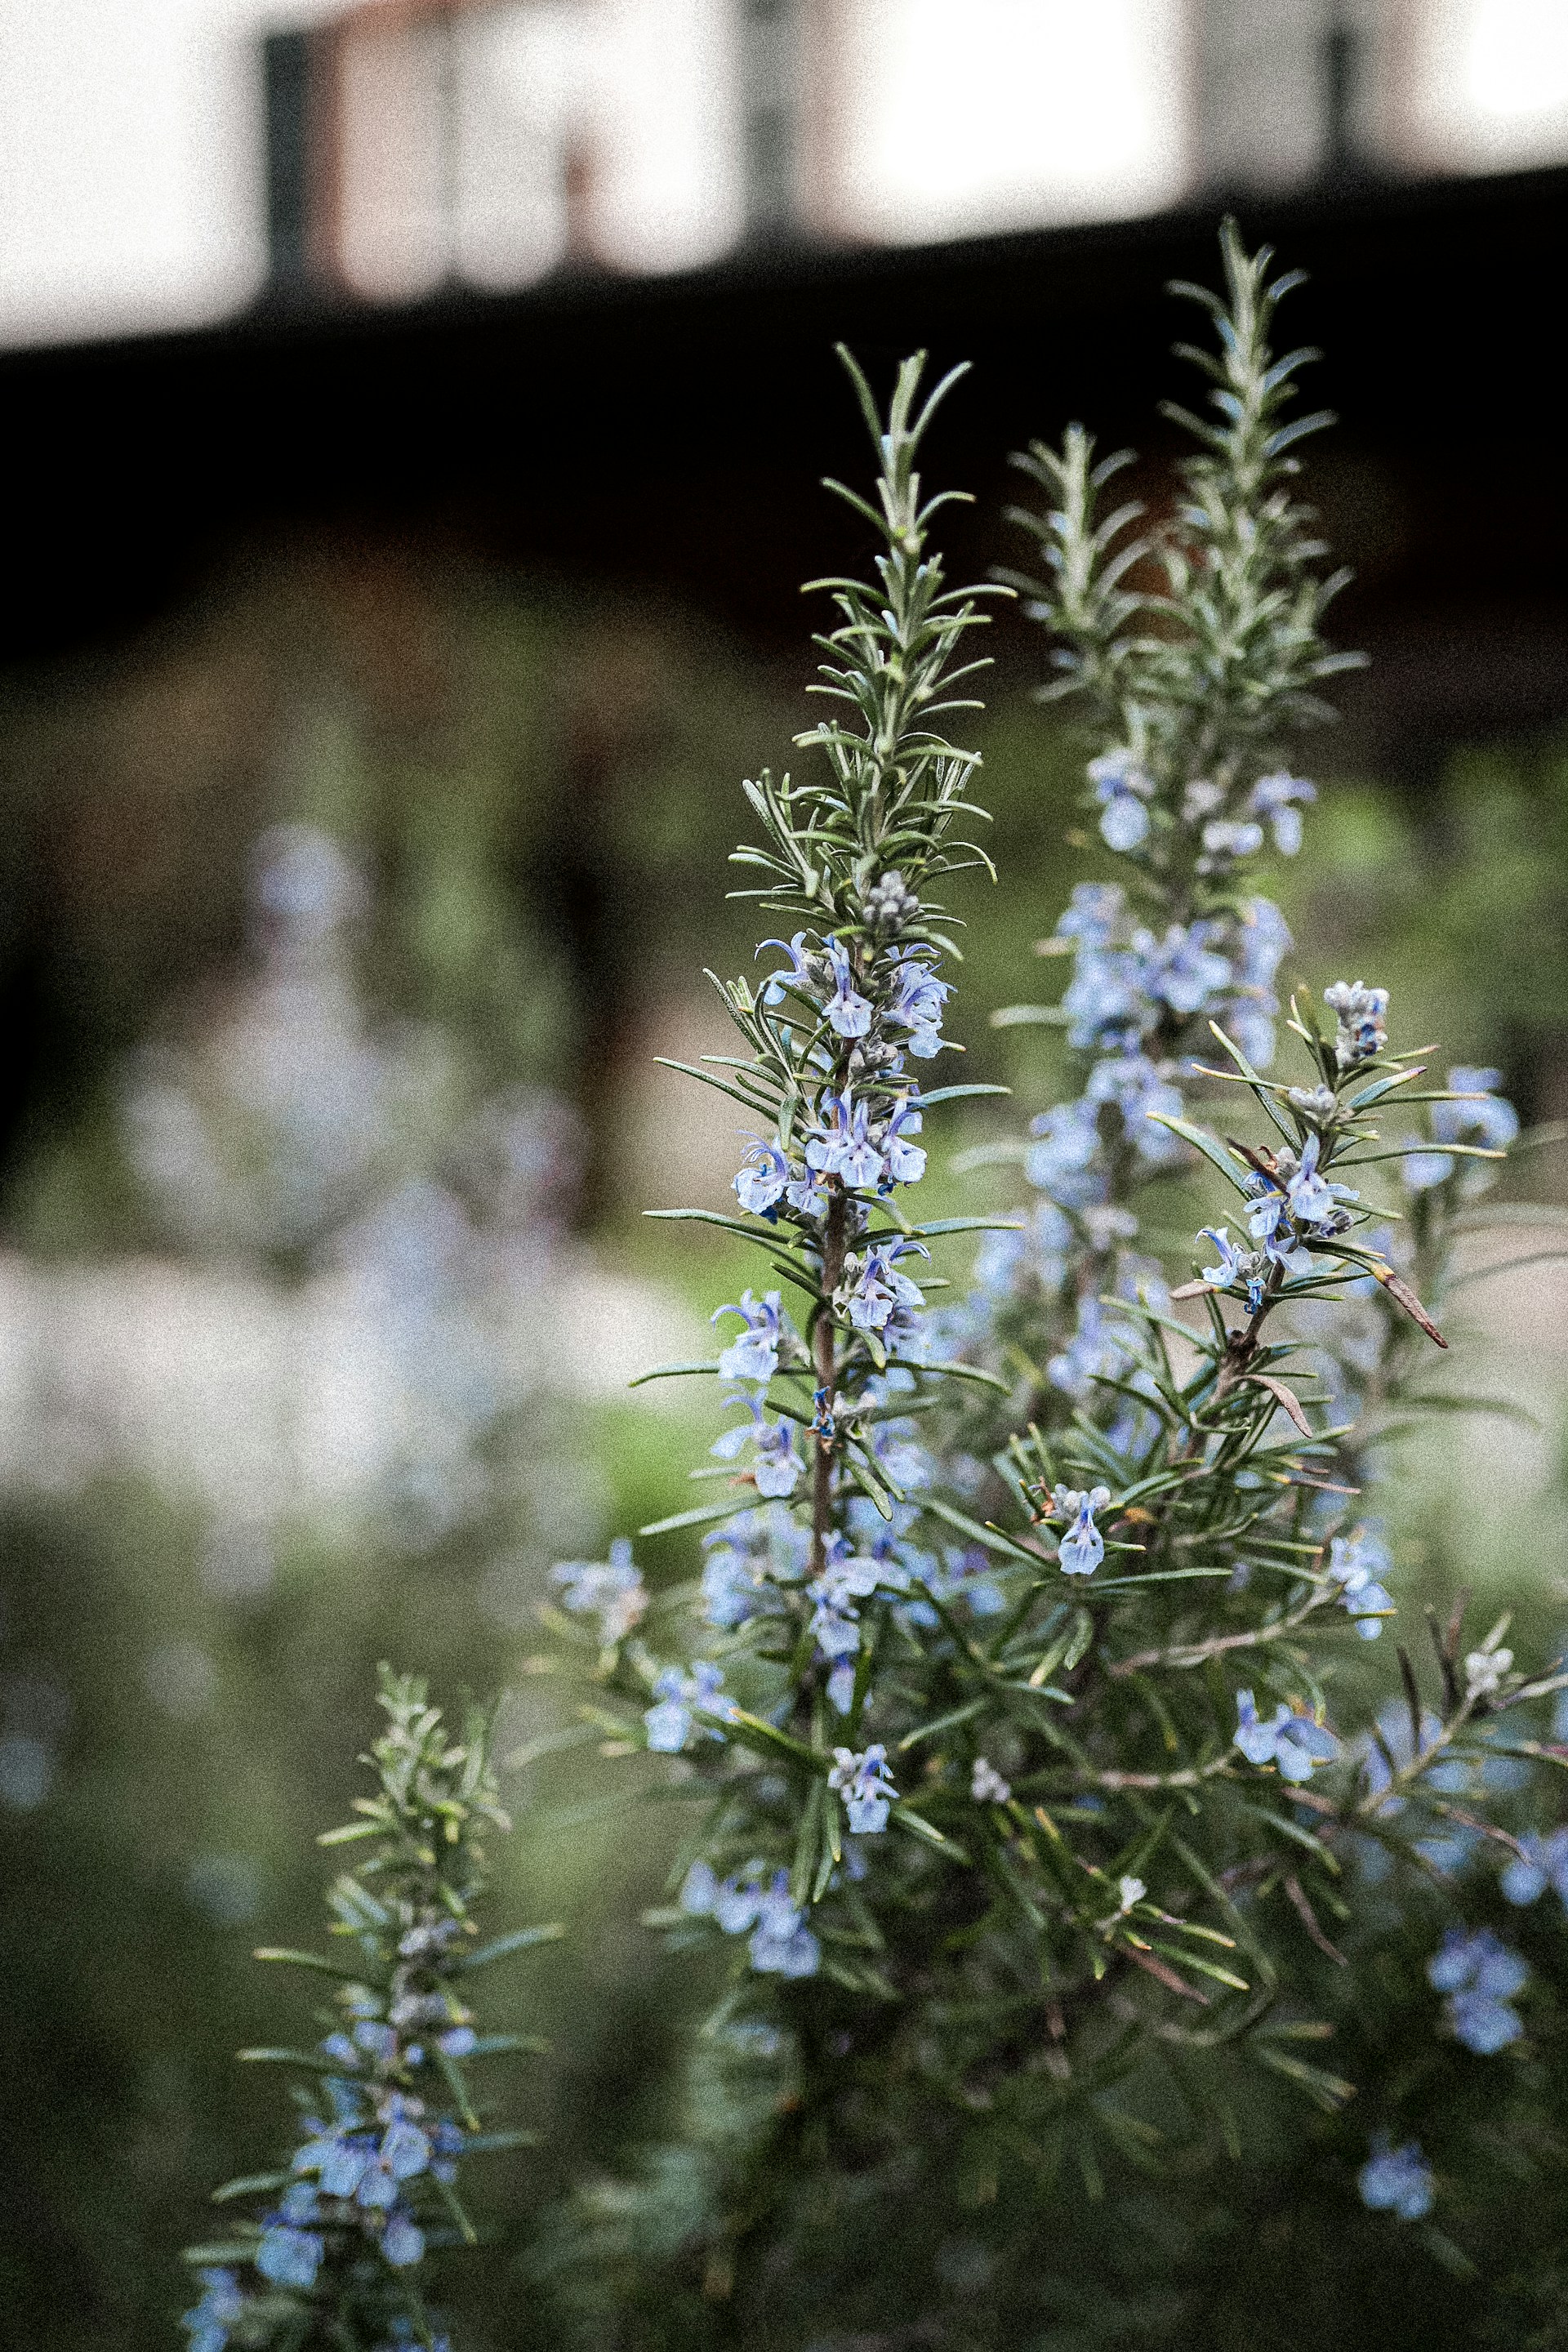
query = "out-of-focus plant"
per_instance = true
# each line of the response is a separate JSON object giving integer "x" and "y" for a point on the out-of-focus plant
{"x": 334, "y": 2249}
{"x": 1033, "y": 1738}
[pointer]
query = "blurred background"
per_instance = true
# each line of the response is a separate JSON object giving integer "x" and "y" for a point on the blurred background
{"x": 414, "y": 416}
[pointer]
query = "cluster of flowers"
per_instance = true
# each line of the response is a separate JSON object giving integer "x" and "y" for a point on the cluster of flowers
{"x": 1229, "y": 826}
{"x": 370, "y": 2185}
{"x": 822, "y": 1548}
{"x": 1481, "y": 1976}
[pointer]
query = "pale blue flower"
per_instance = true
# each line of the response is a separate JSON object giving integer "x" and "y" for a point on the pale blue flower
{"x": 916, "y": 1002}
{"x": 806, "y": 974}
{"x": 1259, "y": 946}
{"x": 1293, "y": 1740}
{"x": 849, "y": 1012}
{"x": 1264, "y": 941}
{"x": 221, "y": 2304}
{"x": 1143, "y": 1096}
{"x": 1124, "y": 823}
{"x": 1397, "y": 2180}
{"x": 844, "y": 1147}
{"x": 401, "y": 2241}
{"x": 1122, "y": 787}
{"x": 776, "y": 1468}
{"x": 289, "y": 2255}
{"x": 861, "y": 1780}
{"x": 1278, "y": 799}
{"x": 1185, "y": 970}
{"x": 1229, "y": 837}
{"x": 732, "y": 1582}
{"x": 670, "y": 1722}
{"x": 1544, "y": 1863}
{"x": 612, "y": 1590}
{"x": 753, "y": 1354}
{"x": 1105, "y": 1001}
{"x": 1236, "y": 1268}
{"x": 1487, "y": 1118}
{"x": 339, "y": 2158}
{"x": 780, "y": 1942}
{"x": 905, "y": 1163}
{"x": 1064, "y": 1164}
{"x": 763, "y": 1177}
{"x": 1482, "y": 1976}
{"x": 699, "y": 1890}
{"x": 1082, "y": 1548}
{"x": 1422, "y": 1170}
{"x": 847, "y": 1578}
{"x": 1092, "y": 914}
{"x": 1313, "y": 1199}
{"x": 1355, "y": 1562}
{"x": 879, "y": 1288}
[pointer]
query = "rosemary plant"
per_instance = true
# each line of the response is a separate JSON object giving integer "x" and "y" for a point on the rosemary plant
{"x": 1025, "y": 1693}
{"x": 333, "y": 2251}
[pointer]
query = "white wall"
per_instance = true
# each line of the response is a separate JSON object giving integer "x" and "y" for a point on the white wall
{"x": 131, "y": 163}
{"x": 960, "y": 116}
{"x": 1490, "y": 84}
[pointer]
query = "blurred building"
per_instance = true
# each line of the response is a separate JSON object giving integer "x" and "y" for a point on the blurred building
{"x": 172, "y": 165}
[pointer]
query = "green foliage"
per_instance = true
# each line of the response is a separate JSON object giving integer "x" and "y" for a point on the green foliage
{"x": 334, "y": 2256}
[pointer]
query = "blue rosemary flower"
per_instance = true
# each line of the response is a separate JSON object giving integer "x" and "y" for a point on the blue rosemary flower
{"x": 1544, "y": 1863}
{"x": 1293, "y": 1740}
{"x": 1248, "y": 1016}
{"x": 1063, "y": 1163}
{"x": 904, "y": 1163}
{"x": 1228, "y": 836}
{"x": 1082, "y": 1548}
{"x": 987, "y": 1785}
{"x": 878, "y": 1289}
{"x": 754, "y": 1353}
{"x": 1487, "y": 1119}
{"x": 1236, "y": 1266}
{"x": 1122, "y": 787}
{"x": 612, "y": 1590}
{"x": 780, "y": 1942}
{"x": 844, "y": 1148}
{"x": 776, "y": 1468}
{"x": 1355, "y": 1563}
{"x": 849, "y": 1012}
{"x": 1139, "y": 1090}
{"x": 1185, "y": 970}
{"x": 221, "y": 2303}
{"x": 1397, "y": 2179}
{"x": 1482, "y": 1976}
{"x": 1278, "y": 799}
{"x": 763, "y": 1178}
{"x": 401, "y": 2241}
{"x": 916, "y": 1002}
{"x": 289, "y": 2253}
{"x": 679, "y": 1698}
{"x": 861, "y": 1780}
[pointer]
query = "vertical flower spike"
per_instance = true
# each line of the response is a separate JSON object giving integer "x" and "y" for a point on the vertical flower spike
{"x": 336, "y": 2248}
{"x": 814, "y": 1574}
